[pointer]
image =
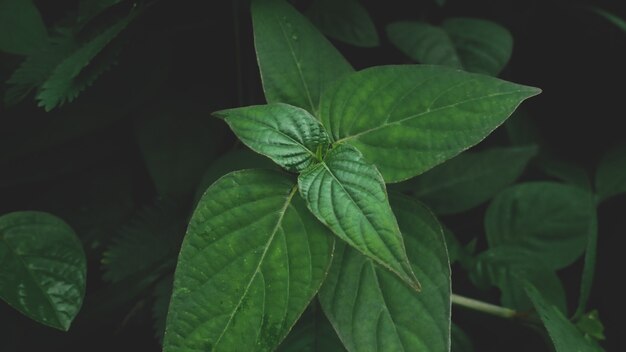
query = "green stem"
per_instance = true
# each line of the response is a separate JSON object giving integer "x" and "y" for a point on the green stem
{"x": 484, "y": 307}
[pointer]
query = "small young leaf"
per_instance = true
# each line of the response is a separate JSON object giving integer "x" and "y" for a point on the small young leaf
{"x": 286, "y": 134}
{"x": 591, "y": 325}
{"x": 22, "y": 30}
{"x": 611, "y": 173}
{"x": 348, "y": 195}
{"x": 407, "y": 119}
{"x": 471, "y": 44}
{"x": 372, "y": 310}
{"x": 564, "y": 334}
{"x": 548, "y": 219}
{"x": 297, "y": 62}
{"x": 345, "y": 20}
{"x": 43, "y": 271}
{"x": 252, "y": 260}
{"x": 470, "y": 178}
{"x": 507, "y": 267}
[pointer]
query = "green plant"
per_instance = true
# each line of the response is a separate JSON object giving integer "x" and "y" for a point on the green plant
{"x": 321, "y": 228}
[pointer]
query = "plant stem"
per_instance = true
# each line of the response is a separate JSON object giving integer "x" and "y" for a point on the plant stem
{"x": 484, "y": 307}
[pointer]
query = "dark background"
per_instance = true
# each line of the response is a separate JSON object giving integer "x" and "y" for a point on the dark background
{"x": 187, "y": 50}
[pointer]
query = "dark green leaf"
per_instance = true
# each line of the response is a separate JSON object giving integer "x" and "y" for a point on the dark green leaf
{"x": 22, "y": 30}
{"x": 252, "y": 260}
{"x": 564, "y": 170}
{"x": 564, "y": 335}
{"x": 345, "y": 20}
{"x": 348, "y": 195}
{"x": 461, "y": 342}
{"x": 289, "y": 135}
{"x": 297, "y": 62}
{"x": 589, "y": 267}
{"x": 611, "y": 173}
{"x": 407, "y": 119}
{"x": 424, "y": 43}
{"x": 372, "y": 310}
{"x": 591, "y": 325}
{"x": 548, "y": 219}
{"x": 470, "y": 179}
{"x": 507, "y": 267}
{"x": 521, "y": 130}
{"x": 178, "y": 141}
{"x": 313, "y": 333}
{"x": 42, "y": 267}
{"x": 161, "y": 294}
{"x": 616, "y": 20}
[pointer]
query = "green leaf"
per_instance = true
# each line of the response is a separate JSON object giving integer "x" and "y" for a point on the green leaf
{"x": 22, "y": 30}
{"x": 407, "y": 119}
{"x": 346, "y": 20}
{"x": 296, "y": 61}
{"x": 507, "y": 267}
{"x": 564, "y": 335}
{"x": 288, "y": 135}
{"x": 470, "y": 179}
{"x": 42, "y": 267}
{"x": 313, "y": 333}
{"x": 589, "y": 267}
{"x": 178, "y": 141}
{"x": 471, "y": 44}
{"x": 548, "y": 219}
{"x": 611, "y": 173}
{"x": 483, "y": 46}
{"x": 461, "y": 342}
{"x": 149, "y": 240}
{"x": 348, "y": 195}
{"x": 616, "y": 20}
{"x": 161, "y": 294}
{"x": 372, "y": 310}
{"x": 424, "y": 43}
{"x": 252, "y": 260}
{"x": 591, "y": 325}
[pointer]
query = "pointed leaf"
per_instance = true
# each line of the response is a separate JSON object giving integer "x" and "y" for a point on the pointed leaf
{"x": 297, "y": 62}
{"x": 252, "y": 260}
{"x": 372, "y": 310}
{"x": 289, "y": 135}
{"x": 611, "y": 173}
{"x": 345, "y": 20}
{"x": 42, "y": 267}
{"x": 548, "y": 219}
{"x": 470, "y": 178}
{"x": 407, "y": 119}
{"x": 564, "y": 334}
{"x": 22, "y": 30}
{"x": 348, "y": 195}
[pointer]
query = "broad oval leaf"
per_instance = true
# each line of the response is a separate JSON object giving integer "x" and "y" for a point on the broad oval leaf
{"x": 565, "y": 336}
{"x": 252, "y": 259}
{"x": 289, "y": 135}
{"x": 348, "y": 195}
{"x": 469, "y": 179}
{"x": 296, "y": 61}
{"x": 407, "y": 119}
{"x": 372, "y": 310}
{"x": 424, "y": 43}
{"x": 611, "y": 173}
{"x": 42, "y": 267}
{"x": 345, "y": 20}
{"x": 548, "y": 219}
{"x": 22, "y": 30}
{"x": 483, "y": 46}
{"x": 507, "y": 268}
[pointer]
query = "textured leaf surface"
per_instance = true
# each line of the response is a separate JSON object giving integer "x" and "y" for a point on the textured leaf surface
{"x": 407, "y": 119}
{"x": 564, "y": 334}
{"x": 469, "y": 179}
{"x": 289, "y": 135}
{"x": 345, "y": 20}
{"x": 373, "y": 310}
{"x": 348, "y": 195}
{"x": 611, "y": 173}
{"x": 252, "y": 260}
{"x": 548, "y": 219}
{"x": 424, "y": 43}
{"x": 507, "y": 268}
{"x": 22, "y": 30}
{"x": 42, "y": 267}
{"x": 297, "y": 62}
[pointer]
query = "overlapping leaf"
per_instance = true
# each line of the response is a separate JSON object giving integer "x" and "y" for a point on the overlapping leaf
{"x": 348, "y": 195}
{"x": 407, "y": 119}
{"x": 42, "y": 267}
{"x": 252, "y": 260}
{"x": 345, "y": 20}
